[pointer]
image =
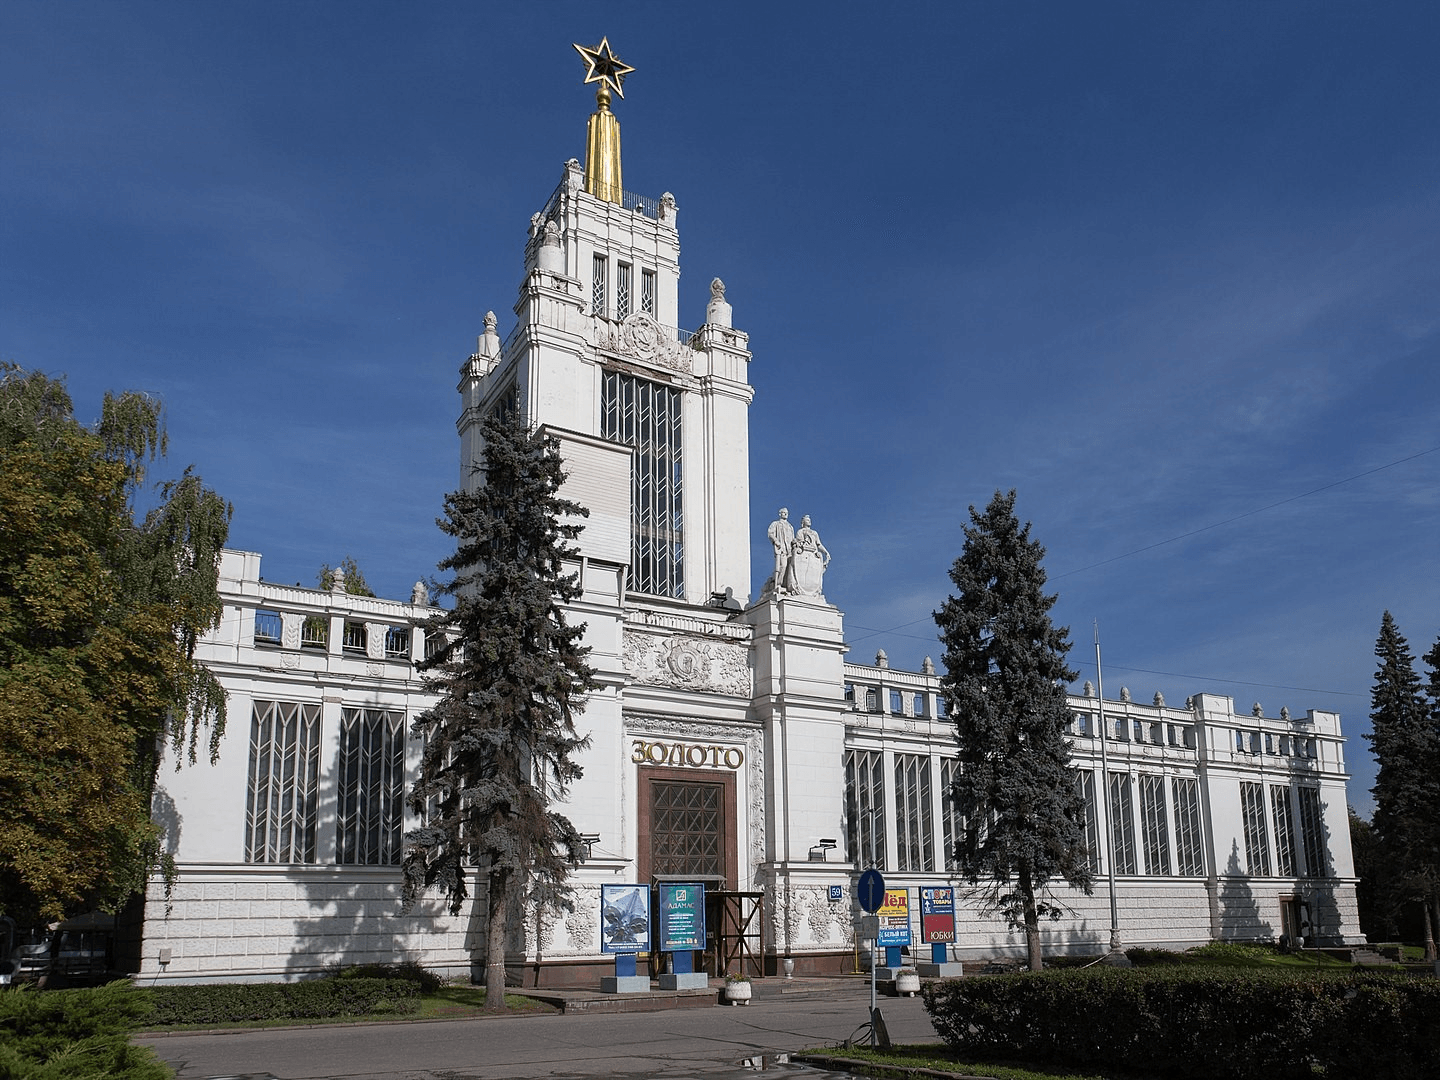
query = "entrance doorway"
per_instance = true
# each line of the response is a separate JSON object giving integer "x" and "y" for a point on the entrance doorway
{"x": 687, "y": 826}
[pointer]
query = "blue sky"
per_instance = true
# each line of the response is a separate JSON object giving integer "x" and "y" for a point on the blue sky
{"x": 1169, "y": 270}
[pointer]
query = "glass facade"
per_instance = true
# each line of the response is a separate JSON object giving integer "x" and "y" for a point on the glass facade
{"x": 648, "y": 416}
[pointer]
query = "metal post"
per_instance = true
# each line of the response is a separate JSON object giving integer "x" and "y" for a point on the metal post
{"x": 874, "y": 946}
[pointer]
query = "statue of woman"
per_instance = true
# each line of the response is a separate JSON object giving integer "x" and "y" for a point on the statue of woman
{"x": 808, "y": 560}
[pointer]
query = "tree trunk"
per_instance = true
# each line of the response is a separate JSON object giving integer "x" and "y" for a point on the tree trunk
{"x": 1032, "y": 922}
{"x": 495, "y": 941}
{"x": 1428, "y": 905}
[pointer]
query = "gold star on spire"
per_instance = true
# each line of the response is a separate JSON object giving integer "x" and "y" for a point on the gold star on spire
{"x": 603, "y": 66}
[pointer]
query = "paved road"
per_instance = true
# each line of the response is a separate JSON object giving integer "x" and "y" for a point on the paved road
{"x": 714, "y": 1043}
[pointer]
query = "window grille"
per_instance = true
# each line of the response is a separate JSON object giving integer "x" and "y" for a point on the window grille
{"x": 647, "y": 292}
{"x": 872, "y": 699}
{"x": 1156, "y": 828}
{"x": 1312, "y": 831}
{"x": 354, "y": 640}
{"x": 372, "y": 787}
{"x": 1284, "y": 830}
{"x": 1189, "y": 839}
{"x": 397, "y": 642}
{"x": 1122, "y": 814}
{"x": 1257, "y": 840}
{"x": 647, "y": 416}
{"x": 315, "y": 632}
{"x": 282, "y": 794}
{"x": 687, "y": 829}
{"x": 915, "y": 839}
{"x": 897, "y": 703}
{"x": 865, "y": 807}
{"x": 598, "y": 276}
{"x": 267, "y": 627}
{"x": 952, "y": 821}
{"x": 1086, "y": 780}
{"x": 622, "y": 290}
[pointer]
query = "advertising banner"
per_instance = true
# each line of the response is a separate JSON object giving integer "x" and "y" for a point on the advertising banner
{"x": 624, "y": 918}
{"x": 682, "y": 917}
{"x": 937, "y": 915}
{"x": 894, "y": 916}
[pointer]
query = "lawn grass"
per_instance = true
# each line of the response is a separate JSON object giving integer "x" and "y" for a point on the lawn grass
{"x": 932, "y": 1057}
{"x": 1225, "y": 954}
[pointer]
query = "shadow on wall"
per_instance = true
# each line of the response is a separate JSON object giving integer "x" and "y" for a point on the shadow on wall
{"x": 167, "y": 815}
{"x": 359, "y": 922}
{"x": 1240, "y": 918}
{"x": 1327, "y": 925}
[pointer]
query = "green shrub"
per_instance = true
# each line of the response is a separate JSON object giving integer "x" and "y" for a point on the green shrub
{"x": 410, "y": 971}
{"x": 1197, "y": 1021}
{"x": 316, "y": 999}
{"x": 70, "y": 1034}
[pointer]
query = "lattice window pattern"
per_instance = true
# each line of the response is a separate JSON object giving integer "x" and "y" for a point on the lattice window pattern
{"x": 599, "y": 275}
{"x": 1156, "y": 828}
{"x": 915, "y": 829}
{"x": 1189, "y": 839}
{"x": 952, "y": 821}
{"x": 687, "y": 829}
{"x": 1122, "y": 814}
{"x": 647, "y": 292}
{"x": 1257, "y": 839}
{"x": 372, "y": 787}
{"x": 1312, "y": 832}
{"x": 1284, "y": 830}
{"x": 622, "y": 290}
{"x": 865, "y": 807}
{"x": 282, "y": 795}
{"x": 1086, "y": 780}
{"x": 647, "y": 416}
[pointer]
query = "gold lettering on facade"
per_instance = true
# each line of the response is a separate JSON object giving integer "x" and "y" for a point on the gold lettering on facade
{"x": 691, "y": 755}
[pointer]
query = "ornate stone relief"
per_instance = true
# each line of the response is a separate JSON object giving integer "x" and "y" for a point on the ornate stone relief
{"x": 820, "y": 917}
{"x": 580, "y": 923}
{"x": 754, "y": 795}
{"x": 640, "y": 337}
{"x": 689, "y": 662}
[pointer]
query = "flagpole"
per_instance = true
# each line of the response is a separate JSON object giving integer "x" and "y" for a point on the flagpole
{"x": 1105, "y": 788}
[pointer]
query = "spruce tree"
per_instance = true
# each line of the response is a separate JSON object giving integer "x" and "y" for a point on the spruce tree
{"x": 1005, "y": 686}
{"x": 499, "y": 744}
{"x": 1407, "y": 790}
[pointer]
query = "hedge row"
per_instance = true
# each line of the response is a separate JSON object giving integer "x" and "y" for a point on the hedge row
{"x": 1185, "y": 1022}
{"x": 311, "y": 1000}
{"x": 64, "y": 1034}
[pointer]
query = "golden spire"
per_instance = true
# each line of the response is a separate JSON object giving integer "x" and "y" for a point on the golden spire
{"x": 602, "y": 134}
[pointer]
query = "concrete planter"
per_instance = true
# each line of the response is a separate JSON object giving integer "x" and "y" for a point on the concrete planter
{"x": 907, "y": 982}
{"x": 737, "y": 993}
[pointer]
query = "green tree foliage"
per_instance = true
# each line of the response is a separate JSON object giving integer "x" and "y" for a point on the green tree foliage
{"x": 1005, "y": 684}
{"x": 99, "y": 617}
{"x": 349, "y": 571}
{"x": 1406, "y": 745}
{"x": 511, "y": 675}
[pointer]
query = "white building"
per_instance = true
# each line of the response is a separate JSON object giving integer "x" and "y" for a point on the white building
{"x": 731, "y": 741}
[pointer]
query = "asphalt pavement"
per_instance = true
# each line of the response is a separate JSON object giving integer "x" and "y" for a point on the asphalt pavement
{"x": 717, "y": 1043}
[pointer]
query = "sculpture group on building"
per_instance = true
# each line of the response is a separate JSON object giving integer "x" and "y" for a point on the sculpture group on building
{"x": 800, "y": 558}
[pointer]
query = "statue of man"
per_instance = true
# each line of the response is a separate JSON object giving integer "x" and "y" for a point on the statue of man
{"x": 782, "y": 539}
